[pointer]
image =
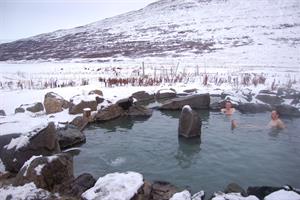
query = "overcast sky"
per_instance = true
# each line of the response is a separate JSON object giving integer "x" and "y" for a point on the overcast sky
{"x": 24, "y": 18}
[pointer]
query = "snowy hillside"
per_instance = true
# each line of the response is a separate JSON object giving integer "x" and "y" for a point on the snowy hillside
{"x": 258, "y": 32}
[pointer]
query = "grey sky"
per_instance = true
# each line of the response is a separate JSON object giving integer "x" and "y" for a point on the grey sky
{"x": 24, "y": 18}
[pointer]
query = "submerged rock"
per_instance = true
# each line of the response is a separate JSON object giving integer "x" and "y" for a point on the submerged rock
{"x": 189, "y": 123}
{"x": 196, "y": 101}
{"x": 46, "y": 172}
{"x": 41, "y": 141}
{"x": 54, "y": 103}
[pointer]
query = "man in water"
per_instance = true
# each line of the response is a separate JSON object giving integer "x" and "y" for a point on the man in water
{"x": 228, "y": 110}
{"x": 275, "y": 121}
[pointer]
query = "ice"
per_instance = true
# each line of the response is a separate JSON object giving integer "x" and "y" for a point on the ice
{"x": 283, "y": 195}
{"x": 117, "y": 186}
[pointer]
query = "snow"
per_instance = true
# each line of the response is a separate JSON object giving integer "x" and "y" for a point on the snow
{"x": 184, "y": 195}
{"x": 117, "y": 186}
{"x": 2, "y": 167}
{"x": 27, "y": 191}
{"x": 51, "y": 158}
{"x": 233, "y": 196}
{"x": 86, "y": 98}
{"x": 198, "y": 195}
{"x": 283, "y": 195}
{"x": 18, "y": 142}
{"x": 39, "y": 168}
{"x": 28, "y": 162}
{"x": 187, "y": 107}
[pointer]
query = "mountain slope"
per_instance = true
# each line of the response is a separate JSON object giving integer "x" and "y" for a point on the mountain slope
{"x": 242, "y": 31}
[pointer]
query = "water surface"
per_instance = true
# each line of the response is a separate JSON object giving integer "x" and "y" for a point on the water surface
{"x": 250, "y": 155}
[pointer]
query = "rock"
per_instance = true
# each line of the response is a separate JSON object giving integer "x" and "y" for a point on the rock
{"x": 2, "y": 113}
{"x": 189, "y": 123}
{"x": 75, "y": 188}
{"x": 19, "y": 110}
{"x": 5, "y": 139}
{"x": 97, "y": 92}
{"x": 111, "y": 112}
{"x": 41, "y": 141}
{"x": 261, "y": 192}
{"x": 36, "y": 107}
{"x": 46, "y": 172}
{"x": 283, "y": 195}
{"x": 125, "y": 103}
{"x": 54, "y": 103}
{"x": 287, "y": 110}
{"x": 111, "y": 186}
{"x": 28, "y": 191}
{"x": 267, "y": 92}
{"x": 80, "y": 122}
{"x": 253, "y": 108}
{"x": 69, "y": 137}
{"x": 162, "y": 190}
{"x": 139, "y": 111}
{"x": 191, "y": 90}
{"x": 235, "y": 188}
{"x": 215, "y": 103}
{"x": 143, "y": 96}
{"x": 269, "y": 99}
{"x": 165, "y": 94}
{"x": 196, "y": 101}
{"x": 78, "y": 103}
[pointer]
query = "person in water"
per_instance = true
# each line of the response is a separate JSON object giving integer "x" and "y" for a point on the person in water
{"x": 228, "y": 110}
{"x": 276, "y": 121}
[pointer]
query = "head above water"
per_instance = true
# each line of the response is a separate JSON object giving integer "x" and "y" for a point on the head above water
{"x": 228, "y": 105}
{"x": 274, "y": 115}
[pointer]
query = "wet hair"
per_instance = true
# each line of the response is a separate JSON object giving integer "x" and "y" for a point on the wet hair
{"x": 276, "y": 112}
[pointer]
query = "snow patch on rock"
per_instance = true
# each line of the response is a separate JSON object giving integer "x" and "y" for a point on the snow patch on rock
{"x": 184, "y": 195}
{"x": 283, "y": 195}
{"x": 117, "y": 186}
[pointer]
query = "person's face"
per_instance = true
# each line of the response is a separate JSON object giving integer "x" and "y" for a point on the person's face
{"x": 228, "y": 105}
{"x": 274, "y": 115}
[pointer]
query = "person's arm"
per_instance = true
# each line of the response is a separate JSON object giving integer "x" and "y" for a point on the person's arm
{"x": 280, "y": 124}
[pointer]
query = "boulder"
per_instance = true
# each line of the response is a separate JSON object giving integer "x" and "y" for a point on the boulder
{"x": 36, "y": 107}
{"x": 261, "y": 192}
{"x": 191, "y": 90}
{"x": 165, "y": 94}
{"x": 253, "y": 108}
{"x": 235, "y": 188}
{"x": 2, "y": 113}
{"x": 111, "y": 112}
{"x": 80, "y": 122}
{"x": 139, "y": 111}
{"x": 115, "y": 186}
{"x": 70, "y": 136}
{"x": 269, "y": 99}
{"x": 189, "y": 123}
{"x": 41, "y": 141}
{"x": 125, "y": 103}
{"x": 78, "y": 103}
{"x": 162, "y": 190}
{"x": 75, "y": 187}
{"x": 143, "y": 96}
{"x": 28, "y": 191}
{"x": 97, "y": 92}
{"x": 5, "y": 139}
{"x": 19, "y": 110}
{"x": 287, "y": 110}
{"x": 46, "y": 171}
{"x": 54, "y": 103}
{"x": 196, "y": 101}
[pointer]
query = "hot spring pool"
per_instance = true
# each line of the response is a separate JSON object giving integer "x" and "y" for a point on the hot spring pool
{"x": 250, "y": 156}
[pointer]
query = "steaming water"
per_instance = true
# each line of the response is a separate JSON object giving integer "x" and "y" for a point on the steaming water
{"x": 250, "y": 155}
